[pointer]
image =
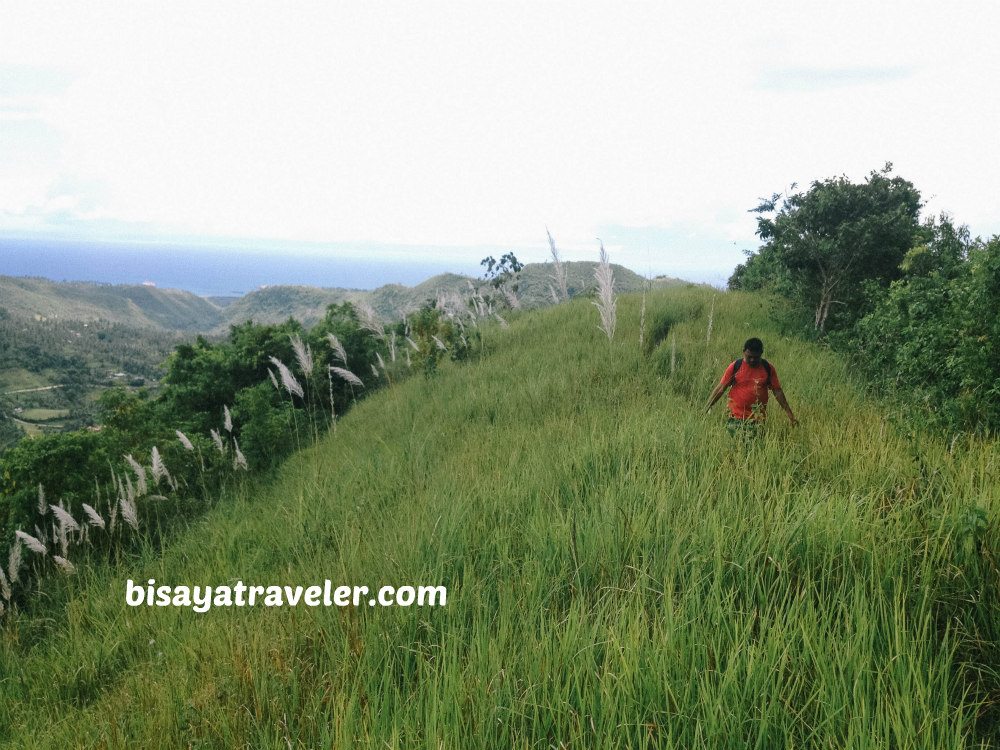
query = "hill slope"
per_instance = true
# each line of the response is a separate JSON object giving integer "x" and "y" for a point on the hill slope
{"x": 133, "y": 305}
{"x": 620, "y": 571}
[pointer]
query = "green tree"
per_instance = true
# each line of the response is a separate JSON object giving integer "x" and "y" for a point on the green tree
{"x": 823, "y": 244}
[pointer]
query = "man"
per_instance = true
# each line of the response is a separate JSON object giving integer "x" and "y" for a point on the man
{"x": 750, "y": 379}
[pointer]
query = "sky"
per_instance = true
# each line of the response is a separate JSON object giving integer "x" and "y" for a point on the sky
{"x": 384, "y": 129}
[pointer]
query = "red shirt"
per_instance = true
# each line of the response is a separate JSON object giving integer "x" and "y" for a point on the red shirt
{"x": 750, "y": 389}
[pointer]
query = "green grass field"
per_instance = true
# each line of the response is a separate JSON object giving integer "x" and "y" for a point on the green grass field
{"x": 621, "y": 572}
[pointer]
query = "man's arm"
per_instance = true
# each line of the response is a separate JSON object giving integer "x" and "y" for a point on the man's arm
{"x": 780, "y": 395}
{"x": 716, "y": 395}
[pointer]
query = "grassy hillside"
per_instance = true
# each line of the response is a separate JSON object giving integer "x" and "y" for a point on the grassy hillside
{"x": 620, "y": 571}
{"x": 136, "y": 306}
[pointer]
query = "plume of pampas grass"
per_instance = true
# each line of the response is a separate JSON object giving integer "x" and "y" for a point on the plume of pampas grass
{"x": 43, "y": 507}
{"x": 140, "y": 472}
{"x": 338, "y": 348}
{"x": 184, "y": 440}
{"x": 287, "y": 379}
{"x": 392, "y": 346}
{"x": 64, "y": 565}
{"x": 274, "y": 380}
{"x": 65, "y": 519}
{"x": 605, "y": 294}
{"x": 347, "y": 375}
{"x": 512, "y": 299}
{"x": 63, "y": 540}
{"x": 157, "y": 468}
{"x": 227, "y": 418}
{"x": 217, "y": 439}
{"x": 95, "y": 517}
{"x": 409, "y": 362}
{"x": 413, "y": 344}
{"x": 375, "y": 371}
{"x": 439, "y": 342}
{"x": 14, "y": 560}
{"x": 4, "y": 586}
{"x": 555, "y": 297}
{"x": 368, "y": 320}
{"x": 32, "y": 543}
{"x": 303, "y": 355}
{"x": 239, "y": 460}
{"x": 381, "y": 362}
{"x": 503, "y": 323}
{"x": 129, "y": 513}
{"x": 557, "y": 266}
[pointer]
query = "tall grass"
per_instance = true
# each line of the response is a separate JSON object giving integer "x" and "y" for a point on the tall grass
{"x": 621, "y": 572}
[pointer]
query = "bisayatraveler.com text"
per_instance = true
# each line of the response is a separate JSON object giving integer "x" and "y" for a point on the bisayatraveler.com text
{"x": 203, "y": 598}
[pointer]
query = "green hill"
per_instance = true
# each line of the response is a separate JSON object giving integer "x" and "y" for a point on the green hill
{"x": 133, "y": 305}
{"x": 393, "y": 301}
{"x": 620, "y": 571}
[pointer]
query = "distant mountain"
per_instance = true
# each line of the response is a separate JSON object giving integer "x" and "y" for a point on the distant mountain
{"x": 141, "y": 306}
{"x": 133, "y": 305}
{"x": 393, "y": 301}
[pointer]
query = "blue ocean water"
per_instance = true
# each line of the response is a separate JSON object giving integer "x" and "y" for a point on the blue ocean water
{"x": 218, "y": 270}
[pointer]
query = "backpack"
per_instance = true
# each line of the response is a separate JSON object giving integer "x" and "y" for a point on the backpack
{"x": 739, "y": 363}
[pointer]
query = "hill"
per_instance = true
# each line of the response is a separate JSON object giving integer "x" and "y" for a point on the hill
{"x": 393, "y": 301}
{"x": 620, "y": 571}
{"x": 133, "y": 305}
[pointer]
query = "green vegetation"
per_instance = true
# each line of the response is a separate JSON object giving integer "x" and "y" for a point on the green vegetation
{"x": 914, "y": 306}
{"x": 620, "y": 571}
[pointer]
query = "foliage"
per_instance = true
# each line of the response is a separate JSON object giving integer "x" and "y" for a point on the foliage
{"x": 932, "y": 337}
{"x": 823, "y": 244}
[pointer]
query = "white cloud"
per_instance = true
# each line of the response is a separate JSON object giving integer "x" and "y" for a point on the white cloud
{"x": 462, "y": 124}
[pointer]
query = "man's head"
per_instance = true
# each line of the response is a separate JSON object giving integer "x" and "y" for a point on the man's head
{"x": 753, "y": 350}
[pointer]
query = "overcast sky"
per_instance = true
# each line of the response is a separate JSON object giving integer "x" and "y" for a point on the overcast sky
{"x": 653, "y": 126}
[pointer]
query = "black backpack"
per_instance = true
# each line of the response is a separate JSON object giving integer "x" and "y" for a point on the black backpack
{"x": 739, "y": 363}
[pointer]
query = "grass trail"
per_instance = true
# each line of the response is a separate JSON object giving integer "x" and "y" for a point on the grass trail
{"x": 620, "y": 571}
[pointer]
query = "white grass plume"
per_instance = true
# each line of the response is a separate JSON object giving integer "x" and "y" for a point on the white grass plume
{"x": 559, "y": 269}
{"x": 239, "y": 460}
{"x": 14, "y": 560}
{"x": 303, "y": 355}
{"x": 32, "y": 543}
{"x": 439, "y": 342}
{"x": 274, "y": 380}
{"x": 43, "y": 507}
{"x": 606, "y": 303}
{"x": 94, "y": 516}
{"x": 140, "y": 472}
{"x": 381, "y": 362}
{"x": 157, "y": 468}
{"x": 184, "y": 440}
{"x": 64, "y": 565}
{"x": 65, "y": 519}
{"x": 228, "y": 418}
{"x": 5, "y": 591}
{"x": 369, "y": 320}
{"x": 287, "y": 379}
{"x": 347, "y": 375}
{"x": 217, "y": 439}
{"x": 129, "y": 513}
{"x": 338, "y": 349}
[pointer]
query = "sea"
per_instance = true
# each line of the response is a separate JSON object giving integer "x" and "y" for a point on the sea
{"x": 229, "y": 271}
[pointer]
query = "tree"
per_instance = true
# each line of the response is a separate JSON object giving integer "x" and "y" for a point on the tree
{"x": 822, "y": 245}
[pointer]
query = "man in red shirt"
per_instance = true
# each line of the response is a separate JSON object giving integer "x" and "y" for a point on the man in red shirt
{"x": 750, "y": 380}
